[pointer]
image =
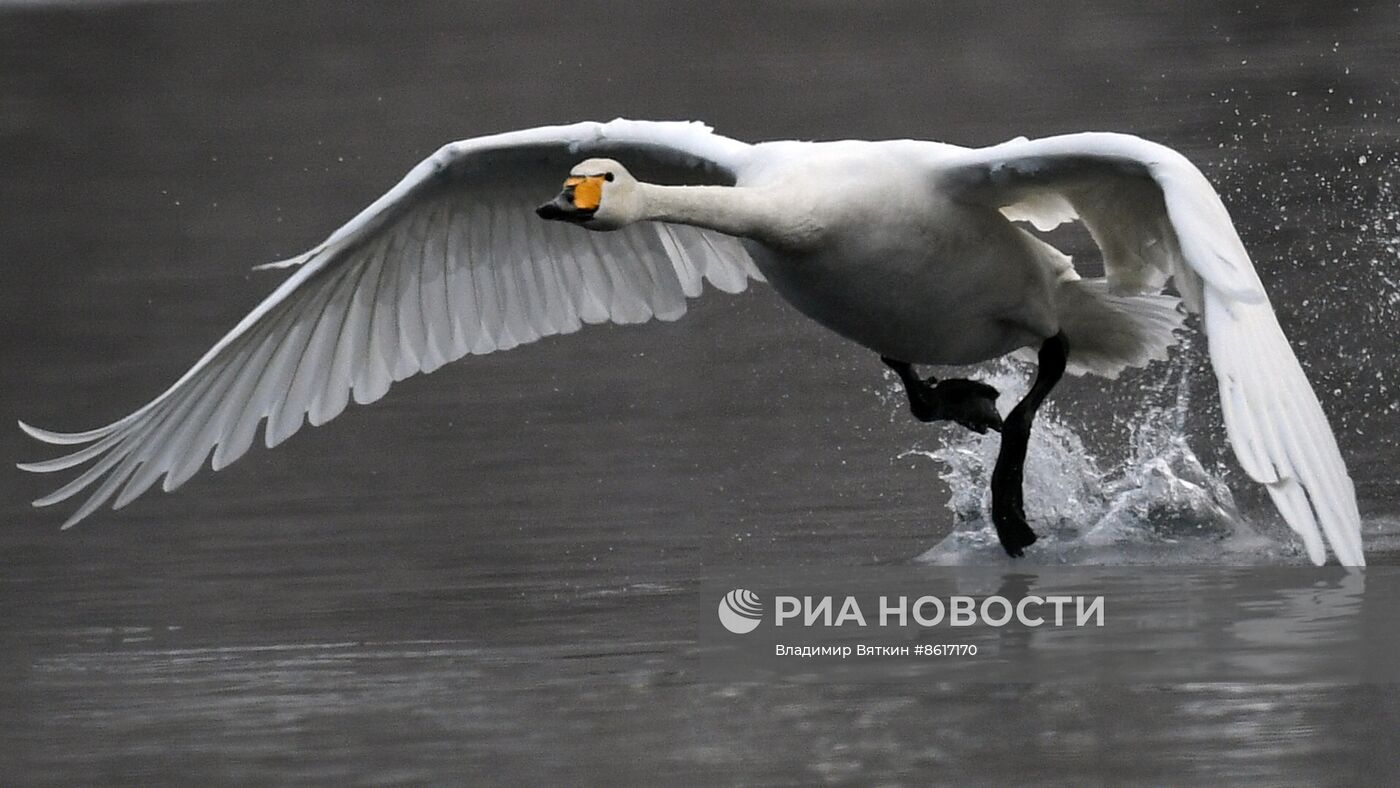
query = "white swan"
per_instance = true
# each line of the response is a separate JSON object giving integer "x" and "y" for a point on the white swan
{"x": 906, "y": 247}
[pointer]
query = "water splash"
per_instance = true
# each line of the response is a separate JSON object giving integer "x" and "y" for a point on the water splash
{"x": 1162, "y": 506}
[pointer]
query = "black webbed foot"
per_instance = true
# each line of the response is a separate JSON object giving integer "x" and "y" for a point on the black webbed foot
{"x": 1009, "y": 518}
{"x": 967, "y": 402}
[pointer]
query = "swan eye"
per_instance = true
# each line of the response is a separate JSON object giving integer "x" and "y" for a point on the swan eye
{"x": 587, "y": 191}
{"x": 609, "y": 177}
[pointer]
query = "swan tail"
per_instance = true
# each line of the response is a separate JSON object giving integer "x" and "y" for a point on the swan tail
{"x": 1108, "y": 333}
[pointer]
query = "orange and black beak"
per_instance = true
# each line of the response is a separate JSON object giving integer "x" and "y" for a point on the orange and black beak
{"x": 577, "y": 202}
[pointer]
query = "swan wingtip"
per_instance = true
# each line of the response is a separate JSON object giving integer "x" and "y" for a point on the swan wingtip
{"x": 290, "y": 262}
{"x": 50, "y": 436}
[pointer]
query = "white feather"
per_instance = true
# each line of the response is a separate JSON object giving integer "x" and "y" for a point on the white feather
{"x": 1153, "y": 213}
{"x": 450, "y": 261}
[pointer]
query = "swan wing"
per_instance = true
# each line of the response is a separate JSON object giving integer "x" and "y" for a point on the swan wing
{"x": 451, "y": 261}
{"x": 1154, "y": 216}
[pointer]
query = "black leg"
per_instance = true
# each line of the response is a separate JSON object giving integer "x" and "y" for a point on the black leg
{"x": 969, "y": 403}
{"x": 1008, "y": 510}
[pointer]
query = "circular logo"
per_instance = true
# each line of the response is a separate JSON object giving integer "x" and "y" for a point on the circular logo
{"x": 740, "y": 611}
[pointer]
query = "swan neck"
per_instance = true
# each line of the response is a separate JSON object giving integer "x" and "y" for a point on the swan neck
{"x": 733, "y": 210}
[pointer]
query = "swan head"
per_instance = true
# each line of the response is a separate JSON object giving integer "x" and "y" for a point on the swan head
{"x": 599, "y": 194}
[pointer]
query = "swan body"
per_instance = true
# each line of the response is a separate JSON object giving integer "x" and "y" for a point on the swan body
{"x": 907, "y": 283}
{"x": 912, "y": 249}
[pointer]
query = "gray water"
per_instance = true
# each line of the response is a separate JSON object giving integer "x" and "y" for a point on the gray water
{"x": 485, "y": 576}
